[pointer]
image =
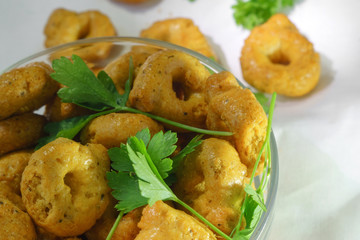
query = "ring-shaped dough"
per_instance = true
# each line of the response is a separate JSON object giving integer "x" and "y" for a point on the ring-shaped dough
{"x": 65, "y": 26}
{"x": 171, "y": 84}
{"x": 64, "y": 188}
{"x": 277, "y": 58}
{"x": 26, "y": 89}
{"x": 20, "y": 132}
{"x": 179, "y": 31}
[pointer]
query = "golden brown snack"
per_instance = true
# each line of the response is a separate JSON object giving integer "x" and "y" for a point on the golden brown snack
{"x": 65, "y": 26}
{"x": 211, "y": 180}
{"x": 171, "y": 84}
{"x": 12, "y": 166}
{"x": 21, "y": 131}
{"x": 26, "y": 89}
{"x": 14, "y": 223}
{"x": 104, "y": 224}
{"x": 118, "y": 70}
{"x": 128, "y": 227}
{"x": 161, "y": 221}
{"x": 219, "y": 83}
{"x": 68, "y": 192}
{"x": 179, "y": 31}
{"x": 8, "y": 193}
{"x": 115, "y": 128}
{"x": 237, "y": 110}
{"x": 56, "y": 110}
{"x": 277, "y": 58}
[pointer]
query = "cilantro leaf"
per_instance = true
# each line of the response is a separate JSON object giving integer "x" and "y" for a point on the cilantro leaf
{"x": 83, "y": 87}
{"x": 255, "y": 12}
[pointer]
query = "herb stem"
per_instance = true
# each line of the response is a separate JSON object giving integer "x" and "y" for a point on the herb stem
{"x": 215, "y": 229}
{"x": 116, "y": 223}
{"x": 176, "y": 124}
{"x": 268, "y": 131}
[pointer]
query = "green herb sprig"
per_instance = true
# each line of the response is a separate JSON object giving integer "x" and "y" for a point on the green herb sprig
{"x": 255, "y": 12}
{"x": 142, "y": 167}
{"x": 99, "y": 94}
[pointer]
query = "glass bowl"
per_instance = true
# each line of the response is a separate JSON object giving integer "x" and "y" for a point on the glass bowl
{"x": 121, "y": 45}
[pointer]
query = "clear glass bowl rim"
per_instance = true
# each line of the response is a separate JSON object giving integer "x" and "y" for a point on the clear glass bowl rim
{"x": 263, "y": 226}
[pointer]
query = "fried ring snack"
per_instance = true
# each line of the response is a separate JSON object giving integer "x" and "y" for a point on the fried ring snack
{"x": 115, "y": 128}
{"x": 56, "y": 110}
{"x": 179, "y": 31}
{"x": 8, "y": 193}
{"x": 20, "y": 132}
{"x": 12, "y": 166}
{"x": 118, "y": 70}
{"x": 68, "y": 192}
{"x": 171, "y": 84}
{"x": 236, "y": 110}
{"x": 160, "y": 221}
{"x": 211, "y": 181}
{"x": 277, "y": 58}
{"x": 65, "y": 26}
{"x": 26, "y": 89}
{"x": 14, "y": 223}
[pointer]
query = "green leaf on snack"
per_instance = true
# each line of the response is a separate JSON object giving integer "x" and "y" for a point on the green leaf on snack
{"x": 82, "y": 86}
{"x": 95, "y": 93}
{"x": 255, "y": 12}
{"x": 67, "y": 128}
{"x": 147, "y": 183}
{"x": 254, "y": 205}
{"x": 190, "y": 147}
{"x": 126, "y": 190}
{"x": 255, "y": 196}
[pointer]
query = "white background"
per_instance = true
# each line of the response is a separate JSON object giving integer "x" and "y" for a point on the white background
{"x": 317, "y": 135}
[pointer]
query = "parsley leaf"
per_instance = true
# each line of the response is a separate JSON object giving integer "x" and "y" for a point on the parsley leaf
{"x": 83, "y": 87}
{"x": 143, "y": 183}
{"x": 255, "y": 12}
{"x": 126, "y": 190}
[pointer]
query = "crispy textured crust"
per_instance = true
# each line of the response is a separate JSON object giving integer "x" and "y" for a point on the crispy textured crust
{"x": 65, "y": 26}
{"x": 171, "y": 84}
{"x": 211, "y": 180}
{"x": 20, "y": 132}
{"x": 56, "y": 110}
{"x": 118, "y": 70}
{"x": 179, "y": 31}
{"x": 26, "y": 89}
{"x": 68, "y": 192}
{"x": 14, "y": 223}
{"x": 128, "y": 227}
{"x": 236, "y": 110}
{"x": 277, "y": 58}
{"x": 113, "y": 129}
{"x": 8, "y": 193}
{"x": 161, "y": 221}
{"x": 12, "y": 166}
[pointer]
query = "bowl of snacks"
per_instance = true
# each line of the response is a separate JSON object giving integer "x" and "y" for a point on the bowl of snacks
{"x": 133, "y": 138}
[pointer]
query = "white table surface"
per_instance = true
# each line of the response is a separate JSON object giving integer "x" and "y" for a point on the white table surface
{"x": 317, "y": 135}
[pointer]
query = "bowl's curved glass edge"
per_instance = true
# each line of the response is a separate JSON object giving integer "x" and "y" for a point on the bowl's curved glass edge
{"x": 262, "y": 228}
